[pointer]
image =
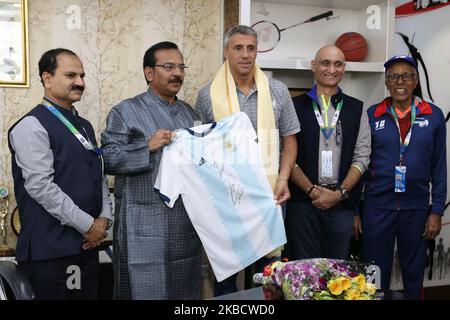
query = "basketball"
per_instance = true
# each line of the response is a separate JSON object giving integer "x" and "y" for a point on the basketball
{"x": 353, "y": 45}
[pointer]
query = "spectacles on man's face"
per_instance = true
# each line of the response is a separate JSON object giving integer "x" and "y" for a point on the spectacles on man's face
{"x": 169, "y": 67}
{"x": 393, "y": 77}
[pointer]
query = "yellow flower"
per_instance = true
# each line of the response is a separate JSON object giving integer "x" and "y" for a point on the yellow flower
{"x": 370, "y": 288}
{"x": 335, "y": 287}
{"x": 364, "y": 297}
{"x": 345, "y": 283}
{"x": 352, "y": 294}
{"x": 360, "y": 281}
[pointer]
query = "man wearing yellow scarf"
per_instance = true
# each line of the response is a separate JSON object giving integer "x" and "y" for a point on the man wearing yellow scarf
{"x": 240, "y": 85}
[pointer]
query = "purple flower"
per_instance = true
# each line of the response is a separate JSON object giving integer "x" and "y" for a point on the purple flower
{"x": 309, "y": 279}
{"x": 322, "y": 283}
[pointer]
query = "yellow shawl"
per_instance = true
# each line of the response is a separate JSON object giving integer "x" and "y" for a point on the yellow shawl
{"x": 225, "y": 102}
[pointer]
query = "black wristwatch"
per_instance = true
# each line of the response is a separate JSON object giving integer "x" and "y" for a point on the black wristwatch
{"x": 344, "y": 193}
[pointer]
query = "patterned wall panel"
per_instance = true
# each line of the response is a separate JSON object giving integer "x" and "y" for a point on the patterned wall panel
{"x": 111, "y": 37}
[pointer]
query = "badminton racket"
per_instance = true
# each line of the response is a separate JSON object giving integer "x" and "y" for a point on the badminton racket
{"x": 269, "y": 34}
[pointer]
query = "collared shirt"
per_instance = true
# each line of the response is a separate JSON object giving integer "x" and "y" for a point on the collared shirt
{"x": 404, "y": 121}
{"x": 286, "y": 120}
{"x": 361, "y": 155}
{"x": 401, "y": 114}
{"x": 36, "y": 164}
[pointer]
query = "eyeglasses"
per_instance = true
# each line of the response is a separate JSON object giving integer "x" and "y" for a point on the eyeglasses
{"x": 169, "y": 67}
{"x": 393, "y": 77}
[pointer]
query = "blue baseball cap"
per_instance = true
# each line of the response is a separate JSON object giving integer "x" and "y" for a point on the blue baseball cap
{"x": 399, "y": 58}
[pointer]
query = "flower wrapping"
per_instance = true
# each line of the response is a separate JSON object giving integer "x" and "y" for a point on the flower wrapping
{"x": 318, "y": 279}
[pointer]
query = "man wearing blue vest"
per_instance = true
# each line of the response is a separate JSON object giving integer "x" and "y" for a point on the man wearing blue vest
{"x": 408, "y": 155}
{"x": 59, "y": 186}
{"x": 333, "y": 153}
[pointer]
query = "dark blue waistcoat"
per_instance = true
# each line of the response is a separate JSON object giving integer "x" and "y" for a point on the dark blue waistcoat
{"x": 308, "y": 143}
{"x": 77, "y": 171}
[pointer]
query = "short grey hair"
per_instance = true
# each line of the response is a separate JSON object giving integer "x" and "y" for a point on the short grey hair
{"x": 241, "y": 29}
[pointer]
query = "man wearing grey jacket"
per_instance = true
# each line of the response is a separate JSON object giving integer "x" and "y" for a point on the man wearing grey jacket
{"x": 157, "y": 253}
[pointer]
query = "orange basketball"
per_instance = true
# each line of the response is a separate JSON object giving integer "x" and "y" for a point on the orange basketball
{"x": 353, "y": 45}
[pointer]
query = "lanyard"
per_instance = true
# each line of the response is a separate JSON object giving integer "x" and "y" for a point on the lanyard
{"x": 86, "y": 144}
{"x": 327, "y": 131}
{"x": 404, "y": 144}
{"x": 326, "y": 105}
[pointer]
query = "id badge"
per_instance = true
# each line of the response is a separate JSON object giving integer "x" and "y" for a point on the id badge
{"x": 327, "y": 164}
{"x": 400, "y": 178}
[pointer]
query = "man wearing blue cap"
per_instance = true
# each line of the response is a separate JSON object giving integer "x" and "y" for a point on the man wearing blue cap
{"x": 408, "y": 154}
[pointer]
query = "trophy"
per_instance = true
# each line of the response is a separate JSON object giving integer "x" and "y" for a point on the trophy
{"x": 5, "y": 251}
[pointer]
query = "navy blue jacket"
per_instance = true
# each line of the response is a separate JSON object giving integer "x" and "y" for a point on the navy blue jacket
{"x": 425, "y": 160}
{"x": 77, "y": 172}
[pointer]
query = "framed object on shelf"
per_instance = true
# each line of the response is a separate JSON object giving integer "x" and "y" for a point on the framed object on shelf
{"x": 14, "y": 43}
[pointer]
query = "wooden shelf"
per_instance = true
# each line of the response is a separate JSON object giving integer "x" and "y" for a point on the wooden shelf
{"x": 290, "y": 60}
{"x": 297, "y": 64}
{"x": 338, "y": 4}
{"x": 365, "y": 66}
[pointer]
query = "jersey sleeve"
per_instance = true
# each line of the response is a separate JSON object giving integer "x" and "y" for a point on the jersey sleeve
{"x": 168, "y": 182}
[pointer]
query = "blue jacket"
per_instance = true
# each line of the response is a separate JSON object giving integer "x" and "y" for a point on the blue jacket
{"x": 425, "y": 160}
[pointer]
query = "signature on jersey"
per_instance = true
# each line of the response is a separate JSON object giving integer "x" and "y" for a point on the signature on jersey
{"x": 237, "y": 191}
{"x": 235, "y": 188}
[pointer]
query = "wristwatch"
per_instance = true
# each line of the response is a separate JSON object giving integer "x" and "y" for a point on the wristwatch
{"x": 344, "y": 193}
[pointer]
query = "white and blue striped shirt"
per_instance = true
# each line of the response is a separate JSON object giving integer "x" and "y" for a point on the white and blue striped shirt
{"x": 217, "y": 169}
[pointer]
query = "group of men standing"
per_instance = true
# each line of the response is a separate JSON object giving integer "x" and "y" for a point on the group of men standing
{"x": 328, "y": 143}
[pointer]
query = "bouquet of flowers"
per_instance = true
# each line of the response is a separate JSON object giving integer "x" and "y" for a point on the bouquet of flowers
{"x": 318, "y": 279}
